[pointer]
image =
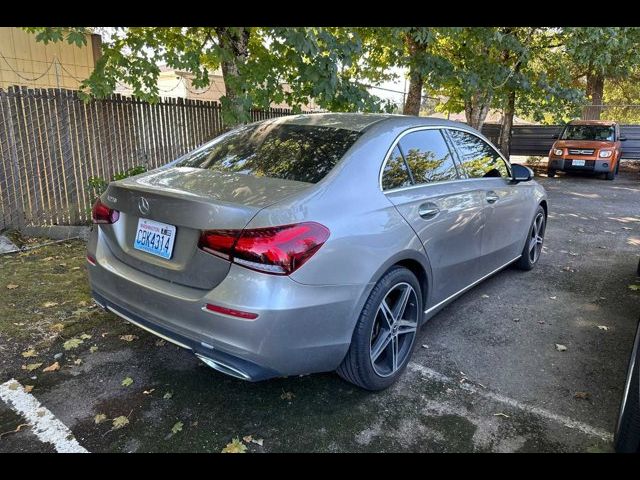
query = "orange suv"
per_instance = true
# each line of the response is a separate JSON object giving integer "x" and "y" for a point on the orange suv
{"x": 587, "y": 146}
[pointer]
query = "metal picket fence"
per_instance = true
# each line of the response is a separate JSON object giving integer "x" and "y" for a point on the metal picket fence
{"x": 52, "y": 143}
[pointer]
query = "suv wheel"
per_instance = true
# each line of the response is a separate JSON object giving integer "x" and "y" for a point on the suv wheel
{"x": 551, "y": 173}
{"x": 385, "y": 334}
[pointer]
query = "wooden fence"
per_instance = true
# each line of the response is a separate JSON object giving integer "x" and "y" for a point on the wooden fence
{"x": 52, "y": 143}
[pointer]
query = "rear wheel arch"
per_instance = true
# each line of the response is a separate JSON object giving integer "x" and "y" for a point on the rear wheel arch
{"x": 544, "y": 206}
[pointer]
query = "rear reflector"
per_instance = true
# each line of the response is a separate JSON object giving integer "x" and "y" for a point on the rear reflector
{"x": 277, "y": 250}
{"x": 101, "y": 213}
{"x": 231, "y": 311}
{"x": 91, "y": 260}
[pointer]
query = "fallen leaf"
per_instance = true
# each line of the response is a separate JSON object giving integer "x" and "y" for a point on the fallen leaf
{"x": 235, "y": 446}
{"x": 568, "y": 269}
{"x": 425, "y": 346}
{"x": 560, "y": 347}
{"x": 48, "y": 259}
{"x": 52, "y": 368}
{"x": 541, "y": 322}
{"x": 27, "y": 388}
{"x": 553, "y": 298}
{"x": 634, "y": 287}
{"x": 248, "y": 438}
{"x": 603, "y": 327}
{"x": 75, "y": 268}
{"x": 259, "y": 441}
{"x": 32, "y": 366}
{"x": 72, "y": 343}
{"x": 99, "y": 418}
{"x": 177, "y": 427}
{"x": 14, "y": 385}
{"x": 167, "y": 395}
{"x": 500, "y": 414}
{"x": 287, "y": 396}
{"x": 84, "y": 336}
{"x": 128, "y": 338}
{"x": 127, "y": 381}
{"x": 93, "y": 349}
{"x": 627, "y": 228}
{"x": 149, "y": 392}
{"x": 12, "y": 286}
{"x": 58, "y": 327}
{"x": 160, "y": 343}
{"x": 29, "y": 353}
{"x": 120, "y": 422}
{"x": 582, "y": 395}
{"x": 49, "y": 304}
{"x": 485, "y": 295}
{"x": 77, "y": 361}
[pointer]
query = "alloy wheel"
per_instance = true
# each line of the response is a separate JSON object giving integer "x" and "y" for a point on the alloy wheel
{"x": 537, "y": 238}
{"x": 394, "y": 329}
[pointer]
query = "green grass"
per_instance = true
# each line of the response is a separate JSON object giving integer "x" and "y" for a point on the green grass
{"x": 52, "y": 298}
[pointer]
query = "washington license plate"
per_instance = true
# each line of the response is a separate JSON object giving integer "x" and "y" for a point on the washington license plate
{"x": 577, "y": 163}
{"x": 155, "y": 238}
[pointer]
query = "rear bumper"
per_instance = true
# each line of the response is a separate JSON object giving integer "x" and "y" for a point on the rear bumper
{"x": 567, "y": 165}
{"x": 300, "y": 328}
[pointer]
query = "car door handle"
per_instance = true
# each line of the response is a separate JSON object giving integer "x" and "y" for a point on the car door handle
{"x": 492, "y": 197}
{"x": 428, "y": 210}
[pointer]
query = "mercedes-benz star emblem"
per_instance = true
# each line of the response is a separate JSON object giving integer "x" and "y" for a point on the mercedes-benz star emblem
{"x": 143, "y": 206}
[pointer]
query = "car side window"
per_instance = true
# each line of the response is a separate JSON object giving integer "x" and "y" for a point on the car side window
{"x": 477, "y": 158}
{"x": 428, "y": 156}
{"x": 395, "y": 174}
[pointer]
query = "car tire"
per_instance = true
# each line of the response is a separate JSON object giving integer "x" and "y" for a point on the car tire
{"x": 551, "y": 173}
{"x": 359, "y": 366}
{"x": 610, "y": 175}
{"x": 627, "y": 436}
{"x": 529, "y": 258}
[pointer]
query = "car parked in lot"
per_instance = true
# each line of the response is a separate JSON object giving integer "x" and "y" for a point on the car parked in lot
{"x": 313, "y": 243}
{"x": 587, "y": 146}
{"x": 627, "y": 436}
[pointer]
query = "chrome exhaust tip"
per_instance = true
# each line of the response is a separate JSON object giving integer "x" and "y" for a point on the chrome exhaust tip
{"x": 223, "y": 368}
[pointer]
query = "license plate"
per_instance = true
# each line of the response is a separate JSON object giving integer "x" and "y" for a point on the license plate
{"x": 155, "y": 238}
{"x": 577, "y": 163}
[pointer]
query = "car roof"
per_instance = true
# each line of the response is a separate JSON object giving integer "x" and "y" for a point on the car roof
{"x": 604, "y": 123}
{"x": 362, "y": 121}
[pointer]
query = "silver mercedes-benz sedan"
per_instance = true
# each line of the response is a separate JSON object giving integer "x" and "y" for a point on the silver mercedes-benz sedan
{"x": 313, "y": 243}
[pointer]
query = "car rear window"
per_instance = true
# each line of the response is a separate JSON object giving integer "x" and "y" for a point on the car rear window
{"x": 304, "y": 153}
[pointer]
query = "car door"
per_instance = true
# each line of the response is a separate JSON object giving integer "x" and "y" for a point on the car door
{"x": 421, "y": 179}
{"x": 506, "y": 205}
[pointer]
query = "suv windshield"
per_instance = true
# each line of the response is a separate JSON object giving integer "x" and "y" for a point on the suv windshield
{"x": 588, "y": 132}
{"x": 304, "y": 153}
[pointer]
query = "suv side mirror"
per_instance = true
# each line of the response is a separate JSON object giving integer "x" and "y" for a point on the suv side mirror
{"x": 520, "y": 173}
{"x": 622, "y": 139}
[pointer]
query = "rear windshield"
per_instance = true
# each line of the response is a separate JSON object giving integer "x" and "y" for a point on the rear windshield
{"x": 588, "y": 132}
{"x": 292, "y": 152}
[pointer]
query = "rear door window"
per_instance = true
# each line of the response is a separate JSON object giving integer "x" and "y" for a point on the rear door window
{"x": 428, "y": 156}
{"x": 304, "y": 153}
{"x": 395, "y": 174}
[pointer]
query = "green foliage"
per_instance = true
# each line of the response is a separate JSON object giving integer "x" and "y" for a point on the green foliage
{"x": 97, "y": 185}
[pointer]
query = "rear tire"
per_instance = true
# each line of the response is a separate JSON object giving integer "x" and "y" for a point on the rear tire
{"x": 551, "y": 173}
{"x": 535, "y": 238}
{"x": 610, "y": 175}
{"x": 627, "y": 437}
{"x": 370, "y": 364}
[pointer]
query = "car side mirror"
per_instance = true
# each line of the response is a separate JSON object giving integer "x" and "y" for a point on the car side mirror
{"x": 623, "y": 139}
{"x": 555, "y": 136}
{"x": 520, "y": 173}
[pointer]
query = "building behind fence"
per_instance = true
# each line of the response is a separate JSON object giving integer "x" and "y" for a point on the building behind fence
{"x": 52, "y": 143}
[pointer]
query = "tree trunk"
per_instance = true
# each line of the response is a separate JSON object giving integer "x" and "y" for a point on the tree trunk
{"x": 595, "y": 94}
{"x": 504, "y": 141}
{"x": 476, "y": 109}
{"x": 234, "y": 42}
{"x": 414, "y": 96}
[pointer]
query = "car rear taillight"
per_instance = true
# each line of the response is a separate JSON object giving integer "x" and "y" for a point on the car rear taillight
{"x": 277, "y": 250}
{"x": 104, "y": 214}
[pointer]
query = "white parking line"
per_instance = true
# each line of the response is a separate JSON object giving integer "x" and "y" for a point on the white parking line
{"x": 44, "y": 425}
{"x": 541, "y": 412}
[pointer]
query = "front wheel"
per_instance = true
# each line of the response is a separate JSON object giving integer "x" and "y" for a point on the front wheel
{"x": 385, "y": 334}
{"x": 610, "y": 175}
{"x": 535, "y": 238}
{"x": 551, "y": 173}
{"x": 627, "y": 436}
